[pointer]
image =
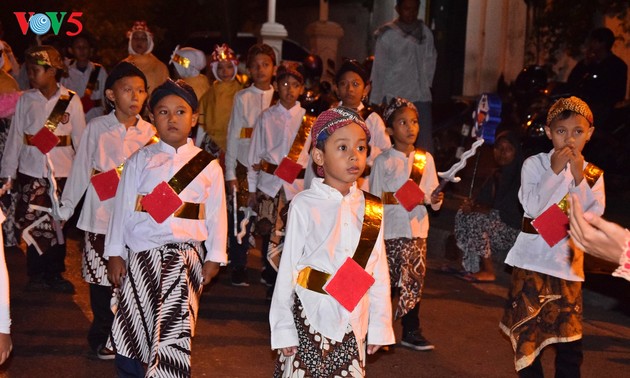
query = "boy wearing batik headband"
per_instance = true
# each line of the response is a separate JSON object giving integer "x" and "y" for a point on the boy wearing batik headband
{"x": 108, "y": 142}
{"x": 140, "y": 53}
{"x": 45, "y": 131}
{"x": 545, "y": 299}
{"x": 189, "y": 63}
{"x": 310, "y": 310}
{"x": 170, "y": 200}
{"x": 408, "y": 174}
{"x": 216, "y": 105}
{"x": 278, "y": 155}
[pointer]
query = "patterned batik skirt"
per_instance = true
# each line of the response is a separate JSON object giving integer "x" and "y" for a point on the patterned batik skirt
{"x": 158, "y": 307}
{"x": 407, "y": 260}
{"x": 540, "y": 310}
{"x": 271, "y": 221}
{"x": 93, "y": 265}
{"x": 8, "y": 201}
{"x": 480, "y": 235}
{"x": 36, "y": 226}
{"x": 318, "y": 356}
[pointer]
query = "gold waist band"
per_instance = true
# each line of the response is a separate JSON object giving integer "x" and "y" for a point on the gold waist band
{"x": 246, "y": 132}
{"x": 389, "y": 199}
{"x": 312, "y": 279}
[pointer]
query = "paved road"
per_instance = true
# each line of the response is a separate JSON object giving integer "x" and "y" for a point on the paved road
{"x": 233, "y": 334}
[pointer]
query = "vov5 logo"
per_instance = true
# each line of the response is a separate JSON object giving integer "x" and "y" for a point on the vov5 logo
{"x": 41, "y": 23}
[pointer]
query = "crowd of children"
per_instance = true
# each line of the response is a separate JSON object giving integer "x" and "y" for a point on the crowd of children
{"x": 164, "y": 166}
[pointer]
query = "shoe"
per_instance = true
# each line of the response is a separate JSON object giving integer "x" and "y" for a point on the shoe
{"x": 60, "y": 285}
{"x": 268, "y": 277}
{"x": 104, "y": 353}
{"x": 416, "y": 341}
{"x": 239, "y": 278}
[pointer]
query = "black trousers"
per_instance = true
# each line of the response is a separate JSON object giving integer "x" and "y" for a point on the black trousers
{"x": 569, "y": 358}
{"x": 50, "y": 264}
{"x": 100, "y": 297}
{"x": 411, "y": 320}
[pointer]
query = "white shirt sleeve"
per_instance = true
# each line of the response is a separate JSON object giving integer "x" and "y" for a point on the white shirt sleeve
{"x": 380, "y": 331}
{"x": 237, "y": 119}
{"x": 216, "y": 216}
{"x": 381, "y": 63}
{"x": 256, "y": 148}
{"x": 80, "y": 174}
{"x": 430, "y": 182}
{"x": 14, "y": 143}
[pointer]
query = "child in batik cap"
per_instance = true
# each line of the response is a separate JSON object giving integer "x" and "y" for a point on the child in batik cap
{"x": 314, "y": 333}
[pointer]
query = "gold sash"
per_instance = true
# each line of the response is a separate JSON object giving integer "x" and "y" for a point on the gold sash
{"x": 314, "y": 280}
{"x": 300, "y": 137}
{"x": 58, "y": 111}
{"x": 246, "y": 132}
{"x": 91, "y": 84}
{"x": 417, "y": 170}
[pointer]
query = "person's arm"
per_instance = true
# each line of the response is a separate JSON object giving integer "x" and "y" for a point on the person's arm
{"x": 379, "y": 69}
{"x": 429, "y": 183}
{"x": 5, "y": 314}
{"x": 380, "y": 331}
{"x": 538, "y": 184}
{"x": 80, "y": 174}
{"x": 216, "y": 218}
{"x": 430, "y": 56}
{"x": 237, "y": 119}
{"x": 14, "y": 143}
{"x": 598, "y": 237}
{"x": 77, "y": 120}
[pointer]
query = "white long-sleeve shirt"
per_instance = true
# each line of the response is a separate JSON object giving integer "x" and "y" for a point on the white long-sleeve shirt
{"x": 540, "y": 188}
{"x": 323, "y": 230}
{"x": 106, "y": 144}
{"x": 5, "y": 311}
{"x": 402, "y": 67}
{"x": 249, "y": 103}
{"x": 31, "y": 112}
{"x": 390, "y": 171}
{"x": 139, "y": 231}
{"x": 78, "y": 80}
{"x": 272, "y": 139}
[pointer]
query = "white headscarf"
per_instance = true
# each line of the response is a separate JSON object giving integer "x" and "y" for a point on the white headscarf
{"x": 188, "y": 62}
{"x": 140, "y": 27}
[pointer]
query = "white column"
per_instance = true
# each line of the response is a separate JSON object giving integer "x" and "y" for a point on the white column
{"x": 273, "y": 33}
{"x": 323, "y": 10}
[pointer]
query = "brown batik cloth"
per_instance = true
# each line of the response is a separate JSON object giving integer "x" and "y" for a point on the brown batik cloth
{"x": 34, "y": 191}
{"x": 407, "y": 260}
{"x": 540, "y": 310}
{"x": 93, "y": 265}
{"x": 272, "y": 221}
{"x": 157, "y": 311}
{"x": 319, "y": 356}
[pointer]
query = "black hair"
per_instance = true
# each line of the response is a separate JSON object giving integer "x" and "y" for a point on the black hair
{"x": 398, "y": 2}
{"x": 605, "y": 36}
{"x": 351, "y": 65}
{"x": 260, "y": 48}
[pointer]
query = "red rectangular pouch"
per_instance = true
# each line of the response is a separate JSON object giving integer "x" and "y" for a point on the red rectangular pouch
{"x": 552, "y": 225}
{"x": 161, "y": 202}
{"x": 349, "y": 284}
{"x": 105, "y": 184}
{"x": 410, "y": 195}
{"x": 45, "y": 140}
{"x": 288, "y": 170}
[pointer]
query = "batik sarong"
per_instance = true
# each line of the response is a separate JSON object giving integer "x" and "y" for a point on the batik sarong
{"x": 272, "y": 221}
{"x": 93, "y": 265}
{"x": 8, "y": 201}
{"x": 407, "y": 260}
{"x": 157, "y": 310}
{"x": 319, "y": 356}
{"x": 540, "y": 310}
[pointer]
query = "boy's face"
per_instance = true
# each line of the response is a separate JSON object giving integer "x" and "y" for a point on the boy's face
{"x": 261, "y": 70}
{"x": 173, "y": 118}
{"x": 405, "y": 127}
{"x": 351, "y": 89}
{"x": 408, "y": 10}
{"x": 344, "y": 157}
{"x": 289, "y": 89}
{"x": 81, "y": 50}
{"x": 572, "y": 132}
{"x": 128, "y": 94}
{"x": 139, "y": 42}
{"x": 225, "y": 70}
{"x": 39, "y": 76}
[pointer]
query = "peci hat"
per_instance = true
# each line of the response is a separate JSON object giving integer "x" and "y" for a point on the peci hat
{"x": 124, "y": 69}
{"x": 351, "y": 65}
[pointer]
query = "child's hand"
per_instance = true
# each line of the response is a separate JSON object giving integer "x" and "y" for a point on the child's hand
{"x": 252, "y": 201}
{"x": 371, "y": 349}
{"x": 6, "y": 346}
{"x": 209, "y": 271}
{"x": 289, "y": 351}
{"x": 560, "y": 158}
{"x": 437, "y": 197}
{"x": 116, "y": 270}
{"x": 576, "y": 164}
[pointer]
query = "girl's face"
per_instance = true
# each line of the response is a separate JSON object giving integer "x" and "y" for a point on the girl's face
{"x": 128, "y": 94}
{"x": 343, "y": 158}
{"x": 40, "y": 77}
{"x": 173, "y": 118}
{"x": 139, "y": 42}
{"x": 261, "y": 69}
{"x": 504, "y": 152}
{"x": 572, "y": 132}
{"x": 405, "y": 127}
{"x": 225, "y": 70}
{"x": 351, "y": 89}
{"x": 289, "y": 89}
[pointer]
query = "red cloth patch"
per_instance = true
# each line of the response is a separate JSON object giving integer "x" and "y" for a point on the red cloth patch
{"x": 410, "y": 195}
{"x": 161, "y": 202}
{"x": 45, "y": 140}
{"x": 349, "y": 284}
{"x": 105, "y": 184}
{"x": 87, "y": 103}
{"x": 288, "y": 170}
{"x": 552, "y": 225}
